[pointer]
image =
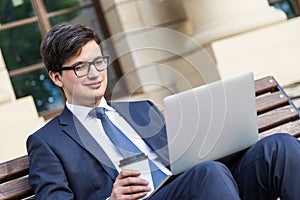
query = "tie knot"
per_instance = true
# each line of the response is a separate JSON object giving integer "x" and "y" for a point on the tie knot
{"x": 98, "y": 112}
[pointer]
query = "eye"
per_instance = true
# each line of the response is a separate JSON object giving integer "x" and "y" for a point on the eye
{"x": 82, "y": 66}
{"x": 100, "y": 62}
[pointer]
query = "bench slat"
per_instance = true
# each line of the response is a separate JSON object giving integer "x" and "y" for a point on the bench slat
{"x": 15, "y": 189}
{"x": 264, "y": 85}
{"x": 14, "y": 168}
{"x": 270, "y": 101}
{"x": 292, "y": 128}
{"x": 276, "y": 117}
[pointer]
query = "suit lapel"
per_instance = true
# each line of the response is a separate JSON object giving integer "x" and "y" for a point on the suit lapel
{"x": 73, "y": 127}
{"x": 143, "y": 116}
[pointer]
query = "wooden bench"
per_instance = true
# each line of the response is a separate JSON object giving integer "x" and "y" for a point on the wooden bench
{"x": 276, "y": 113}
{"x": 14, "y": 179}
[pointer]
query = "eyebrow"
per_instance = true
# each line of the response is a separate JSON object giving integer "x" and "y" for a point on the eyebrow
{"x": 80, "y": 62}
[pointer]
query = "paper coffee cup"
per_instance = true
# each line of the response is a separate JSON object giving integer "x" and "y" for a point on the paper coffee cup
{"x": 140, "y": 163}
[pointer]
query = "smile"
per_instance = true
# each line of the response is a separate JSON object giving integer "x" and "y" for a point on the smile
{"x": 94, "y": 85}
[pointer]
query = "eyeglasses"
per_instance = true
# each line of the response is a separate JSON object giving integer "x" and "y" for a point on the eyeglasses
{"x": 82, "y": 69}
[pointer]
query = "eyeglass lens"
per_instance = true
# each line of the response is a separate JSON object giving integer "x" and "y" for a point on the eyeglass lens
{"x": 83, "y": 68}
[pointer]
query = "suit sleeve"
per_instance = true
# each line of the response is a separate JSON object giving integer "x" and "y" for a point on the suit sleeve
{"x": 46, "y": 172}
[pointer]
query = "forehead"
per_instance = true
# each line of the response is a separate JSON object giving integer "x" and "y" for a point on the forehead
{"x": 88, "y": 52}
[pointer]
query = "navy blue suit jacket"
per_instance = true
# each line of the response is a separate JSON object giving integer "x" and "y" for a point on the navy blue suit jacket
{"x": 67, "y": 163}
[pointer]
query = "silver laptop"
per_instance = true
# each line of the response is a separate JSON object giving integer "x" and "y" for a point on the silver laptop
{"x": 211, "y": 121}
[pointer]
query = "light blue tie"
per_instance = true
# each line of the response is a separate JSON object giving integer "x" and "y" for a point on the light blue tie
{"x": 126, "y": 147}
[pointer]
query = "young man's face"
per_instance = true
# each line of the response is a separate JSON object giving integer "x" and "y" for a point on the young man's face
{"x": 87, "y": 90}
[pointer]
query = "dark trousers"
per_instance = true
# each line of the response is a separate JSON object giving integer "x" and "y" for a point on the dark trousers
{"x": 269, "y": 169}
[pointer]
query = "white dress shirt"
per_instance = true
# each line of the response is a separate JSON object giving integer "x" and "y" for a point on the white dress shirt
{"x": 94, "y": 126}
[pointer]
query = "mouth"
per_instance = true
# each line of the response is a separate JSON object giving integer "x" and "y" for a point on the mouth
{"x": 94, "y": 85}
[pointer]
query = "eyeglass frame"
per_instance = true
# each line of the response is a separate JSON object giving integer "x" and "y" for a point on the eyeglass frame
{"x": 73, "y": 67}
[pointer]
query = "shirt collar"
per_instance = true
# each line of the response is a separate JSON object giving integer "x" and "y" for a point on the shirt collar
{"x": 82, "y": 112}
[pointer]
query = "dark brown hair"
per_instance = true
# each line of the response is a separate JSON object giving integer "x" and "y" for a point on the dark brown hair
{"x": 64, "y": 41}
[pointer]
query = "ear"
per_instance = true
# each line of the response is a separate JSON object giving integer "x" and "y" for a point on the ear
{"x": 56, "y": 78}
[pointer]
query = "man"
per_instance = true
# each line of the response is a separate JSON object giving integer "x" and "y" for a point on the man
{"x": 75, "y": 157}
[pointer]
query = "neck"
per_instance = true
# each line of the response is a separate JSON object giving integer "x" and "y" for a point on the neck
{"x": 86, "y": 104}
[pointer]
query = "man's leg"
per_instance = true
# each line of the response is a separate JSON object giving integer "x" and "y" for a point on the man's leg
{"x": 208, "y": 180}
{"x": 270, "y": 169}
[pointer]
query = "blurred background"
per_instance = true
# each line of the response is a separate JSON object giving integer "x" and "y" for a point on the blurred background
{"x": 158, "y": 47}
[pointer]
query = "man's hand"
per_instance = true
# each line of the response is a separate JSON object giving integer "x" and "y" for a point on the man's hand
{"x": 129, "y": 186}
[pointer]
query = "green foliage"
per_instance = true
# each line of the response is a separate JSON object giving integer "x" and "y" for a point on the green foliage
{"x": 58, "y": 5}
{"x": 20, "y": 48}
{"x": 9, "y": 13}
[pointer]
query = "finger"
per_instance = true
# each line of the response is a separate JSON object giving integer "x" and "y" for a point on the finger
{"x": 121, "y": 191}
{"x": 130, "y": 181}
{"x": 129, "y": 196}
{"x": 134, "y": 181}
{"x": 136, "y": 195}
{"x": 135, "y": 189}
{"x": 128, "y": 173}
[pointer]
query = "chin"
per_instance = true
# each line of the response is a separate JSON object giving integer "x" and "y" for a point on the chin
{"x": 99, "y": 97}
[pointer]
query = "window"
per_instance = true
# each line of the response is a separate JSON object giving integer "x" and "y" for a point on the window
{"x": 290, "y": 7}
{"x": 22, "y": 26}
